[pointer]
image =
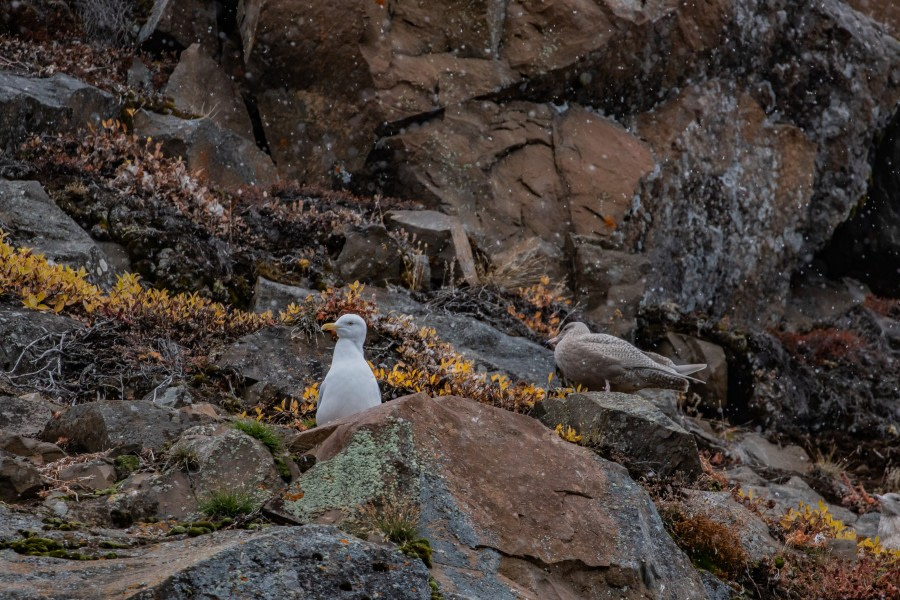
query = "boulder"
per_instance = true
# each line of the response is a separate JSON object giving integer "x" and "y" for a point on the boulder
{"x": 225, "y": 458}
{"x": 200, "y": 87}
{"x": 510, "y": 509}
{"x": 93, "y": 475}
{"x": 126, "y": 426}
{"x": 755, "y": 450}
{"x": 176, "y": 24}
{"x": 33, "y": 220}
{"x": 370, "y": 255}
{"x": 274, "y": 356}
{"x": 274, "y": 296}
{"x": 27, "y": 414}
{"x": 443, "y": 240}
{"x": 491, "y": 349}
{"x": 53, "y": 105}
{"x": 220, "y": 156}
{"x": 19, "y": 478}
{"x": 39, "y": 453}
{"x": 629, "y": 428}
{"x": 280, "y": 562}
{"x": 204, "y": 461}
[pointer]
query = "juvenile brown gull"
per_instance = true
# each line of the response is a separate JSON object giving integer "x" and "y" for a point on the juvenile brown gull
{"x": 599, "y": 361}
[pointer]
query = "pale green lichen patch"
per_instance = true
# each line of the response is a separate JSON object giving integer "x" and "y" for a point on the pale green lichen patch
{"x": 373, "y": 465}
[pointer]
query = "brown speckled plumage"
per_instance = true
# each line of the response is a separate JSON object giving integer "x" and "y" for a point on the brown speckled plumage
{"x": 598, "y": 361}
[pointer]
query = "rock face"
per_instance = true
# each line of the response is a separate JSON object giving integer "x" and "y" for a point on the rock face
{"x": 33, "y": 220}
{"x": 735, "y": 136}
{"x": 510, "y": 509}
{"x": 52, "y": 105}
{"x": 629, "y": 427}
{"x": 128, "y": 426}
{"x": 280, "y": 562}
{"x": 199, "y": 86}
{"x": 766, "y": 169}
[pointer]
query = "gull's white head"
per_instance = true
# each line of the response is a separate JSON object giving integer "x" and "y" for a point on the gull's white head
{"x": 890, "y": 504}
{"x": 349, "y": 327}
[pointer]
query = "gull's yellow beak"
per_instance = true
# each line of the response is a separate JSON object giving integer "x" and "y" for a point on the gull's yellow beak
{"x": 332, "y": 327}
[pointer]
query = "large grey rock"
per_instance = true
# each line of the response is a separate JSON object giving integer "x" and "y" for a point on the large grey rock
{"x": 279, "y": 562}
{"x": 33, "y": 220}
{"x": 53, "y": 105}
{"x": 629, "y": 427}
{"x": 220, "y": 156}
{"x": 19, "y": 478}
{"x": 127, "y": 426}
{"x": 517, "y": 513}
{"x": 491, "y": 349}
{"x": 755, "y": 450}
{"x": 27, "y": 414}
{"x": 277, "y": 357}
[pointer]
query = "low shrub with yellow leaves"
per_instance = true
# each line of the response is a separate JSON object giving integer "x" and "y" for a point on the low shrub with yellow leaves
{"x": 568, "y": 433}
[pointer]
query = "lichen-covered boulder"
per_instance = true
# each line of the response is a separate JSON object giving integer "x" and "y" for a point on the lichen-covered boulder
{"x": 204, "y": 462}
{"x": 509, "y": 508}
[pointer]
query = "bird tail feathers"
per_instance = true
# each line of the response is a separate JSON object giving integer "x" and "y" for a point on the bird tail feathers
{"x": 688, "y": 369}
